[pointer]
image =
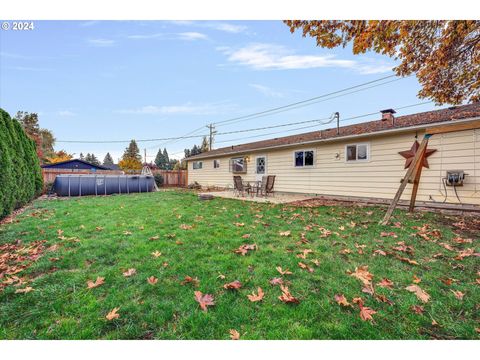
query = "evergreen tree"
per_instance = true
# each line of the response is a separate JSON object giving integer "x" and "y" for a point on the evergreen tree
{"x": 94, "y": 160}
{"x": 187, "y": 153}
{"x": 160, "y": 159}
{"x": 132, "y": 151}
{"x": 165, "y": 155}
{"x": 205, "y": 146}
{"x": 82, "y": 157}
{"x": 108, "y": 161}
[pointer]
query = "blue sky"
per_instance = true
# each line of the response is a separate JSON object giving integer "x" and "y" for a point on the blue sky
{"x": 119, "y": 80}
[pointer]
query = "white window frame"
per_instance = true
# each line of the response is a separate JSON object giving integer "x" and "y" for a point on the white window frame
{"x": 216, "y": 161}
{"x": 304, "y": 166}
{"x": 261, "y": 156}
{"x": 357, "y": 160}
{"x": 244, "y": 165}
{"x": 197, "y": 163}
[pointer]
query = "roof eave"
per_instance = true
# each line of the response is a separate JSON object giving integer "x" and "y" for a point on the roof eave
{"x": 339, "y": 138}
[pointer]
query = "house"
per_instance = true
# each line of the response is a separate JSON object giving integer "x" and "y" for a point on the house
{"x": 366, "y": 160}
{"x": 75, "y": 164}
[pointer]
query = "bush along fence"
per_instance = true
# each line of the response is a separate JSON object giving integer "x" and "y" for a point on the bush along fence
{"x": 20, "y": 173}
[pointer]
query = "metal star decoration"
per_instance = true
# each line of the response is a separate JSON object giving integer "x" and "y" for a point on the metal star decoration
{"x": 410, "y": 154}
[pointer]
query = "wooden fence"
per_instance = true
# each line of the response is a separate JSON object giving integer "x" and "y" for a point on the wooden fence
{"x": 49, "y": 175}
{"x": 173, "y": 177}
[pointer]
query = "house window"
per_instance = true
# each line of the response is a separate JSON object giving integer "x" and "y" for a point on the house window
{"x": 261, "y": 165}
{"x": 357, "y": 152}
{"x": 216, "y": 164}
{"x": 197, "y": 165}
{"x": 304, "y": 158}
{"x": 238, "y": 165}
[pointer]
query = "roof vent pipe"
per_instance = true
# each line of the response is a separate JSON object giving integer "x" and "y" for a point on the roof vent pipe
{"x": 387, "y": 114}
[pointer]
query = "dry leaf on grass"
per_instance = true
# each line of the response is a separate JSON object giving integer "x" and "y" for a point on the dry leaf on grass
{"x": 156, "y": 237}
{"x": 256, "y": 297}
{"x": 97, "y": 283}
{"x": 152, "y": 280}
{"x": 113, "y": 314}
{"x": 416, "y": 279}
{"x": 458, "y": 294}
{"x": 421, "y": 294}
{"x": 185, "y": 227}
{"x": 237, "y": 224}
{"x": 204, "y": 300}
{"x": 285, "y": 233}
{"x": 305, "y": 267}
{"x": 190, "y": 280}
{"x": 283, "y": 272}
{"x": 24, "y": 291}
{"x": 130, "y": 272}
{"x": 287, "y": 297}
{"x": 276, "y": 281}
{"x": 342, "y": 300}
{"x": 365, "y": 312}
{"x": 234, "y": 285}
{"x": 417, "y": 309}
{"x": 234, "y": 334}
{"x": 156, "y": 254}
{"x": 386, "y": 283}
{"x": 362, "y": 274}
{"x": 245, "y": 248}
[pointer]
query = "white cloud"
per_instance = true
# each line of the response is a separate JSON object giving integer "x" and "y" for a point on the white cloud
{"x": 186, "y": 36}
{"x": 65, "y": 113}
{"x": 184, "y": 109}
{"x": 226, "y": 27}
{"x": 278, "y": 57}
{"x": 215, "y": 25}
{"x": 265, "y": 90}
{"x": 192, "y": 36}
{"x": 101, "y": 42}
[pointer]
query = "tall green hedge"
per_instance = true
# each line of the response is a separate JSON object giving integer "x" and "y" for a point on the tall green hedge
{"x": 20, "y": 174}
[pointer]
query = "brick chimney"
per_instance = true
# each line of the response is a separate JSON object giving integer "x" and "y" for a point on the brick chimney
{"x": 387, "y": 114}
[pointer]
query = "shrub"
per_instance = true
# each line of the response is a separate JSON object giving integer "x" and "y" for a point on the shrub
{"x": 158, "y": 179}
{"x": 20, "y": 174}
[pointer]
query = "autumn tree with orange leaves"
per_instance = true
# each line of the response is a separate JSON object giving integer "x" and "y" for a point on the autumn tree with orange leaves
{"x": 444, "y": 55}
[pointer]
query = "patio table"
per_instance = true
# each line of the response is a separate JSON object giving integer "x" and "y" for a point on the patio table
{"x": 252, "y": 186}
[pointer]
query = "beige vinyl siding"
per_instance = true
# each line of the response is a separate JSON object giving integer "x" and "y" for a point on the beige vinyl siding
{"x": 377, "y": 177}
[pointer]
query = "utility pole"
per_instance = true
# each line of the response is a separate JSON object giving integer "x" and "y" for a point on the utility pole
{"x": 211, "y": 127}
{"x": 145, "y": 155}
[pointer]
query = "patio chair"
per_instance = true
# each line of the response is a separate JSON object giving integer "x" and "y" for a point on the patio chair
{"x": 269, "y": 188}
{"x": 261, "y": 190}
{"x": 239, "y": 187}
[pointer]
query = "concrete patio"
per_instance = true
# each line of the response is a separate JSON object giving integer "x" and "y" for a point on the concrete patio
{"x": 278, "y": 198}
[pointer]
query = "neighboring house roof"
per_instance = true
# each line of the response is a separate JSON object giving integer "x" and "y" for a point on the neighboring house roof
{"x": 424, "y": 119}
{"x": 113, "y": 167}
{"x": 74, "y": 164}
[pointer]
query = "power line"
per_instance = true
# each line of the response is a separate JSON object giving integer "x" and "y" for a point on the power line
{"x": 307, "y": 101}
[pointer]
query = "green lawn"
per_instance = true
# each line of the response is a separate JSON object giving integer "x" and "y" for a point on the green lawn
{"x": 94, "y": 237}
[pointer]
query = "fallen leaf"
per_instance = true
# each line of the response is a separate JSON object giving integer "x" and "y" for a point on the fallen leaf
{"x": 386, "y": 283}
{"x": 305, "y": 267}
{"x": 237, "y": 224}
{"x": 190, "y": 280}
{"x": 234, "y": 285}
{"x": 285, "y": 233}
{"x": 458, "y": 294}
{"x": 379, "y": 252}
{"x": 127, "y": 233}
{"x": 421, "y": 294}
{"x": 366, "y": 313}
{"x": 276, "y": 281}
{"x": 362, "y": 274}
{"x": 156, "y": 253}
{"x": 185, "y": 227}
{"x": 417, "y": 309}
{"x": 113, "y": 314}
{"x": 286, "y": 297}
{"x": 245, "y": 248}
{"x": 342, "y": 300}
{"x": 246, "y": 236}
{"x": 130, "y": 272}
{"x": 152, "y": 280}
{"x": 416, "y": 279}
{"x": 234, "y": 334}
{"x": 256, "y": 297}
{"x": 156, "y": 237}
{"x": 204, "y": 300}
{"x": 99, "y": 281}
{"x": 283, "y": 272}
{"x": 24, "y": 291}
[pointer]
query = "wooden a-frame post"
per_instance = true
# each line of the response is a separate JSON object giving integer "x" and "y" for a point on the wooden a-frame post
{"x": 415, "y": 168}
